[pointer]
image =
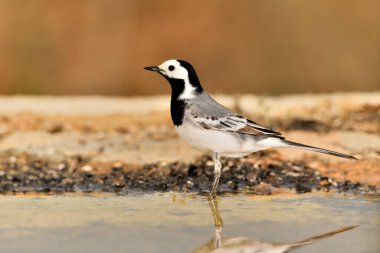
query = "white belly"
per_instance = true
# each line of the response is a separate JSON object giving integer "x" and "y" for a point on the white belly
{"x": 225, "y": 143}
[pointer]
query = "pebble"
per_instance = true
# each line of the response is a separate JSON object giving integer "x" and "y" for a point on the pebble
{"x": 86, "y": 168}
{"x": 262, "y": 189}
{"x": 61, "y": 166}
{"x": 12, "y": 159}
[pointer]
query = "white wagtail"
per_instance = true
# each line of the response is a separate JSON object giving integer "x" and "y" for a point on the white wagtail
{"x": 208, "y": 126}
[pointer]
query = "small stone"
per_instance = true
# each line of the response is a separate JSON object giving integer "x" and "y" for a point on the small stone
{"x": 225, "y": 169}
{"x": 61, "y": 166}
{"x": 324, "y": 183}
{"x": 293, "y": 174}
{"x": 86, "y": 168}
{"x": 174, "y": 188}
{"x": 262, "y": 189}
{"x": 209, "y": 163}
{"x": 296, "y": 168}
{"x": 251, "y": 177}
{"x": 240, "y": 176}
{"x": 55, "y": 128}
{"x": 185, "y": 189}
{"x": 163, "y": 163}
{"x": 67, "y": 181}
{"x": 12, "y": 159}
{"x": 117, "y": 165}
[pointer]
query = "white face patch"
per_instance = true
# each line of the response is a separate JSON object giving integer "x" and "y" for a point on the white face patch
{"x": 173, "y": 69}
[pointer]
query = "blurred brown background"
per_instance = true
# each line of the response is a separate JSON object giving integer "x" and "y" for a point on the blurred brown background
{"x": 272, "y": 46}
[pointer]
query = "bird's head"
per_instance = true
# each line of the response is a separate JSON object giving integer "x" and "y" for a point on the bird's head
{"x": 181, "y": 76}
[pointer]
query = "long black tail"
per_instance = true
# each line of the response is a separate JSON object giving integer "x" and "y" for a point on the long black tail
{"x": 321, "y": 150}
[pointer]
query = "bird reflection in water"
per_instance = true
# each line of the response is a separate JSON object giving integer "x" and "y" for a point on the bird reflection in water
{"x": 246, "y": 245}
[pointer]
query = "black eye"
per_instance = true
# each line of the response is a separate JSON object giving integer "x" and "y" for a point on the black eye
{"x": 171, "y": 68}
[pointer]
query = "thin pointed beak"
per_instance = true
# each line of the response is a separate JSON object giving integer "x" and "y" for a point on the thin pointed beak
{"x": 153, "y": 68}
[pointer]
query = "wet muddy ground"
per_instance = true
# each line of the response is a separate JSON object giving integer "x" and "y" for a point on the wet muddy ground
{"x": 93, "y": 174}
{"x": 92, "y": 144}
{"x": 261, "y": 174}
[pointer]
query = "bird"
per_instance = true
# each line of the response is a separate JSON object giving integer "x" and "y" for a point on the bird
{"x": 208, "y": 126}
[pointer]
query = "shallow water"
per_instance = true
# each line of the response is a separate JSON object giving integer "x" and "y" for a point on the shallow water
{"x": 184, "y": 223}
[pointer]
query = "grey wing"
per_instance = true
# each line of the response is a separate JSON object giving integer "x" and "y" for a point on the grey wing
{"x": 209, "y": 114}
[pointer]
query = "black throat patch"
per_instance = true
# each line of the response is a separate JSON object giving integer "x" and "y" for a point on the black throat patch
{"x": 177, "y": 110}
{"x": 177, "y": 106}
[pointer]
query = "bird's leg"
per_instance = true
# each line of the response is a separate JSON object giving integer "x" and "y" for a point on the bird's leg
{"x": 217, "y": 172}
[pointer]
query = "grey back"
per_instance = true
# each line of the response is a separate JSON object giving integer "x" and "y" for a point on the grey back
{"x": 204, "y": 105}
